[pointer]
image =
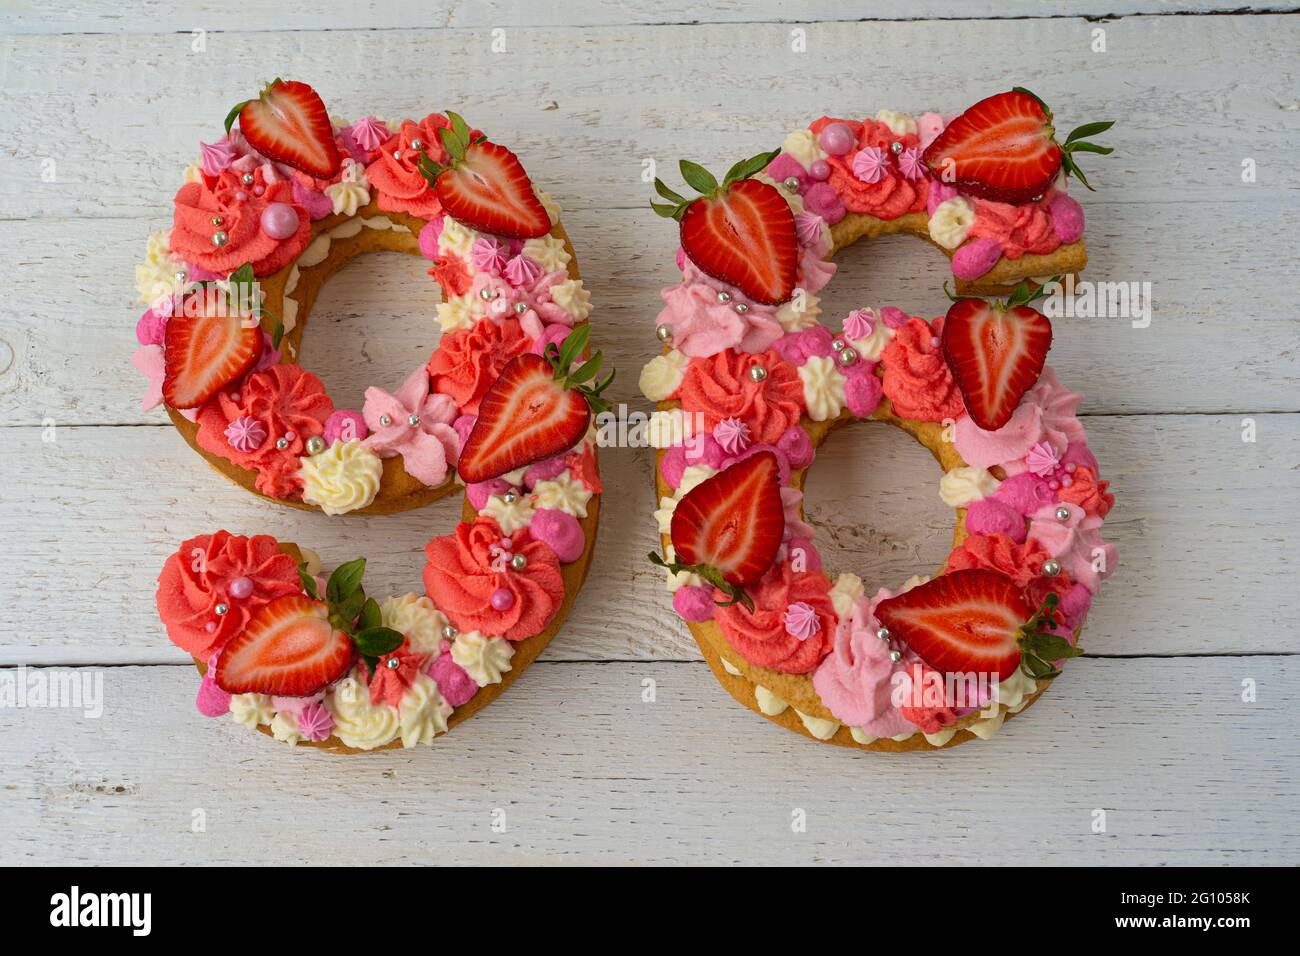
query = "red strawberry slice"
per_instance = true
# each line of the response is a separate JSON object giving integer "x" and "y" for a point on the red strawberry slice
{"x": 961, "y": 622}
{"x": 289, "y": 648}
{"x": 996, "y": 354}
{"x": 201, "y": 353}
{"x": 288, "y": 123}
{"x": 526, "y": 415}
{"x": 733, "y": 522}
{"x": 1004, "y": 148}
{"x": 487, "y": 189}
{"x": 1001, "y": 148}
{"x": 744, "y": 235}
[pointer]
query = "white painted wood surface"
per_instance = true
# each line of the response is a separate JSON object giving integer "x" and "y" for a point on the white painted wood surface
{"x": 1154, "y": 731}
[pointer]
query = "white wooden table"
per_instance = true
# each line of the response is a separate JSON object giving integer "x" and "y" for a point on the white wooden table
{"x": 100, "y": 107}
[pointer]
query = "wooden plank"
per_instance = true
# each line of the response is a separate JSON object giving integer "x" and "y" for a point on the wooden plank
{"x": 149, "y": 16}
{"x": 1216, "y": 343}
{"x": 1205, "y": 527}
{"x": 119, "y": 115}
{"x": 587, "y": 772}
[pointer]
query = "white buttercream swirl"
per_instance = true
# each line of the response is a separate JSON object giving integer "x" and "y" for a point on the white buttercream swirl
{"x": 423, "y": 712}
{"x": 823, "y": 387}
{"x": 549, "y": 252}
{"x": 485, "y": 659}
{"x": 511, "y": 516}
{"x": 357, "y": 722}
{"x": 342, "y": 478}
{"x": 415, "y": 616}
{"x": 562, "y": 493}
{"x": 251, "y": 710}
{"x": 951, "y": 221}
{"x": 572, "y": 296}
{"x": 662, "y": 375}
{"x": 960, "y": 487}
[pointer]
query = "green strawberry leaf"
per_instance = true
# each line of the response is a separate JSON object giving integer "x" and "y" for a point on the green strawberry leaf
{"x": 377, "y": 641}
{"x": 345, "y": 581}
{"x": 698, "y": 178}
{"x": 234, "y": 114}
{"x": 308, "y": 582}
{"x": 370, "y": 615}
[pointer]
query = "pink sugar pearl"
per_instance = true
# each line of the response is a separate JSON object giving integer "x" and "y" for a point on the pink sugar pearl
{"x": 820, "y": 170}
{"x": 279, "y": 220}
{"x": 837, "y": 139}
{"x": 241, "y": 588}
{"x": 502, "y": 599}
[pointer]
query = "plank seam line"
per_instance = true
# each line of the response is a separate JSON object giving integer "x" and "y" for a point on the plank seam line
{"x": 647, "y": 25}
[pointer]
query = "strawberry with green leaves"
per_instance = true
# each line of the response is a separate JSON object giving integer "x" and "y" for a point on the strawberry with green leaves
{"x": 1004, "y": 148}
{"x": 484, "y": 186}
{"x": 996, "y": 350}
{"x": 740, "y": 231}
{"x": 976, "y": 621}
{"x": 298, "y": 644}
{"x": 728, "y": 528}
{"x": 288, "y": 123}
{"x": 539, "y": 406}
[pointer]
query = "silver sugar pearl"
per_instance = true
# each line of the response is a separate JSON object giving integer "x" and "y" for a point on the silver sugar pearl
{"x": 417, "y": 144}
{"x": 1062, "y": 513}
{"x": 180, "y": 275}
{"x": 895, "y": 656}
{"x": 385, "y": 420}
{"x": 521, "y": 308}
{"x": 248, "y": 179}
{"x": 449, "y": 632}
{"x": 895, "y": 147}
{"x": 510, "y": 497}
{"x": 397, "y": 155}
{"x": 1051, "y": 568}
{"x": 848, "y": 355}
{"x": 757, "y": 373}
{"x": 216, "y": 220}
{"x": 518, "y": 562}
{"x": 221, "y": 609}
{"x": 486, "y": 293}
{"x": 742, "y": 308}
{"x": 412, "y": 419}
{"x": 837, "y": 344}
{"x": 664, "y": 333}
{"x": 882, "y": 633}
{"x": 219, "y": 238}
{"x": 792, "y": 184}
{"x": 1038, "y": 198}
{"x": 393, "y": 664}
{"x": 724, "y": 296}
{"x": 282, "y": 443}
{"x": 315, "y": 445}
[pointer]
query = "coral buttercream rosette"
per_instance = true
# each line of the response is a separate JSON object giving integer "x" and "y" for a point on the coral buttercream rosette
{"x": 750, "y": 370}
{"x": 267, "y": 212}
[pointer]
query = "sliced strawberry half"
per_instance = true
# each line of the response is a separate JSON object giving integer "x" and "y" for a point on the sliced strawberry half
{"x": 201, "y": 353}
{"x": 975, "y": 621}
{"x": 741, "y": 231}
{"x": 728, "y": 528}
{"x": 1004, "y": 148}
{"x": 289, "y": 124}
{"x": 538, "y": 407}
{"x": 996, "y": 352}
{"x": 484, "y": 185}
{"x": 289, "y": 648}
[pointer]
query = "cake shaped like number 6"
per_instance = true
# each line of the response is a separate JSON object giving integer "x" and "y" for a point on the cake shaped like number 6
{"x": 750, "y": 383}
{"x": 503, "y": 406}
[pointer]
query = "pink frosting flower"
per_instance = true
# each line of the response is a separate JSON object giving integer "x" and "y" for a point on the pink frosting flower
{"x": 1076, "y": 543}
{"x": 370, "y": 132}
{"x": 315, "y": 722}
{"x": 150, "y": 362}
{"x": 870, "y": 164}
{"x": 216, "y": 157}
{"x": 418, "y": 427}
{"x": 859, "y": 323}
{"x": 489, "y": 254}
{"x": 909, "y": 163}
{"x": 245, "y": 433}
{"x": 801, "y": 621}
{"x": 732, "y": 434}
{"x": 522, "y": 270}
{"x": 703, "y": 326}
{"x": 808, "y": 228}
{"x": 856, "y": 679}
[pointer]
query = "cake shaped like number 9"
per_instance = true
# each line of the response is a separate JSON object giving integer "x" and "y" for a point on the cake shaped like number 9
{"x": 503, "y": 407}
{"x": 750, "y": 383}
